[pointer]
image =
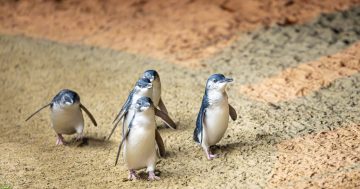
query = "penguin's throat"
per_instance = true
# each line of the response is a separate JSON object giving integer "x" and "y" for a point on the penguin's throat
{"x": 142, "y": 93}
{"x": 145, "y": 118}
{"x": 216, "y": 97}
{"x": 66, "y": 106}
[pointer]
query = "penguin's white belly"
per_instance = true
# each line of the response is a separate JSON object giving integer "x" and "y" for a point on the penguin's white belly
{"x": 217, "y": 119}
{"x": 67, "y": 121}
{"x": 139, "y": 148}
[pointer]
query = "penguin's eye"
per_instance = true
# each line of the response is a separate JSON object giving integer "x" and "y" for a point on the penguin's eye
{"x": 215, "y": 80}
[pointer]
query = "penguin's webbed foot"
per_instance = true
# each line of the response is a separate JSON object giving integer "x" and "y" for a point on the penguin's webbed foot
{"x": 209, "y": 154}
{"x": 152, "y": 176}
{"x": 60, "y": 140}
{"x": 212, "y": 156}
{"x": 132, "y": 175}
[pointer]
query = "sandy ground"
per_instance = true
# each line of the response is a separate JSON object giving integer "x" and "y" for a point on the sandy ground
{"x": 181, "y": 32}
{"x": 307, "y": 141}
{"x": 339, "y": 160}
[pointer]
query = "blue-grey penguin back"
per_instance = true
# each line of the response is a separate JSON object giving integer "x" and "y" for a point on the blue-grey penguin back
{"x": 199, "y": 119}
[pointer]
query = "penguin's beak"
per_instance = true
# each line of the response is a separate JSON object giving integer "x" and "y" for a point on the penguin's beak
{"x": 228, "y": 80}
{"x": 147, "y": 105}
{"x": 137, "y": 106}
{"x": 144, "y": 106}
{"x": 149, "y": 86}
{"x": 68, "y": 100}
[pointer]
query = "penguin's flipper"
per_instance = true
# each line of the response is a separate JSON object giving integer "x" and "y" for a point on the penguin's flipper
{"x": 125, "y": 107}
{"x": 232, "y": 113}
{"x": 162, "y": 106}
{"x": 113, "y": 129}
{"x": 89, "y": 114}
{"x": 200, "y": 120}
{"x": 160, "y": 143}
{"x": 119, "y": 115}
{"x": 168, "y": 121}
{"x": 117, "y": 123}
{"x": 123, "y": 140}
{"x": 121, "y": 143}
{"x": 200, "y": 123}
{"x": 123, "y": 111}
{"x": 123, "y": 125}
{"x": 37, "y": 111}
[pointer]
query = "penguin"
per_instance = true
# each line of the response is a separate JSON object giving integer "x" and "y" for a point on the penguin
{"x": 212, "y": 120}
{"x": 143, "y": 87}
{"x": 140, "y": 140}
{"x": 66, "y": 115}
{"x": 154, "y": 78}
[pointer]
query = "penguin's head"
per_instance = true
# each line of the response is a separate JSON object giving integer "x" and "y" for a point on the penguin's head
{"x": 143, "y": 85}
{"x": 151, "y": 75}
{"x": 66, "y": 98}
{"x": 217, "y": 82}
{"x": 143, "y": 103}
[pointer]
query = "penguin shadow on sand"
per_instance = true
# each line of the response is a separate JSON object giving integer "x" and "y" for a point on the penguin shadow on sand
{"x": 223, "y": 149}
{"x": 244, "y": 145}
{"x": 143, "y": 175}
{"x": 161, "y": 126}
{"x": 89, "y": 141}
{"x": 164, "y": 128}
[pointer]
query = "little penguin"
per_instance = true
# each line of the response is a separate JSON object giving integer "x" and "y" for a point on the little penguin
{"x": 154, "y": 78}
{"x": 212, "y": 120}
{"x": 66, "y": 115}
{"x": 143, "y": 87}
{"x": 141, "y": 139}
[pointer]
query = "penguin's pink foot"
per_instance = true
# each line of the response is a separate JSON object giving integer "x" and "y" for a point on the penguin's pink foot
{"x": 209, "y": 154}
{"x": 132, "y": 175}
{"x": 60, "y": 140}
{"x": 152, "y": 176}
{"x": 212, "y": 156}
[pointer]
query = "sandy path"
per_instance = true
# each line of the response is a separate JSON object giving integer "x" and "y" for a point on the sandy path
{"x": 34, "y": 70}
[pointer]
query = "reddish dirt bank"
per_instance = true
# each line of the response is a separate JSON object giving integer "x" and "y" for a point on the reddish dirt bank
{"x": 178, "y": 31}
{"x": 306, "y": 78}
